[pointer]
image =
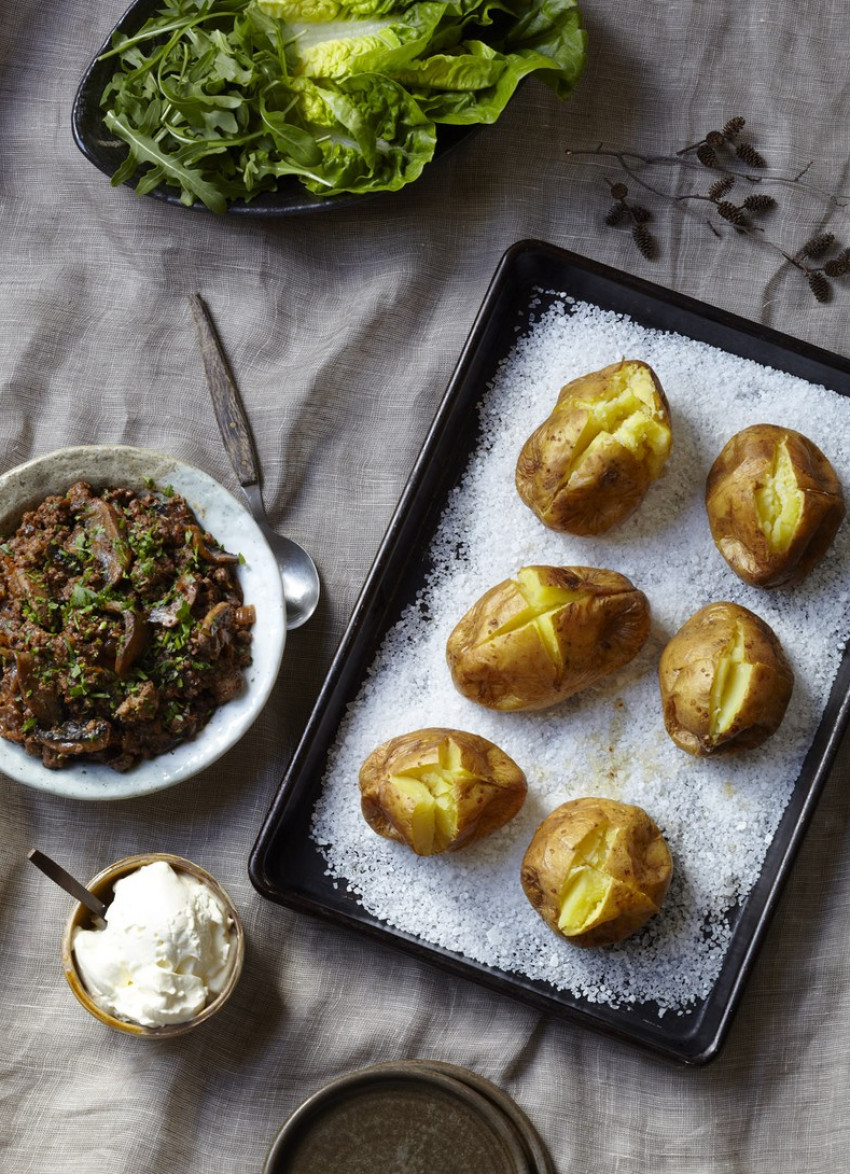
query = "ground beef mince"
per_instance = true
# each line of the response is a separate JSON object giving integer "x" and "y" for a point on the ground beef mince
{"x": 122, "y": 627}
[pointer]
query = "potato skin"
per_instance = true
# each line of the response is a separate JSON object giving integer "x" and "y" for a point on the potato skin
{"x": 515, "y": 671}
{"x": 639, "y": 858}
{"x": 740, "y": 469}
{"x": 686, "y": 673}
{"x": 485, "y": 802}
{"x": 608, "y": 484}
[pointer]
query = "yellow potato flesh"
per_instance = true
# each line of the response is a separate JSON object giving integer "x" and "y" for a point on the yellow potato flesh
{"x": 779, "y": 502}
{"x": 543, "y": 604}
{"x": 629, "y": 416}
{"x": 431, "y": 790}
{"x": 586, "y": 886}
{"x": 586, "y": 890}
{"x": 730, "y": 685}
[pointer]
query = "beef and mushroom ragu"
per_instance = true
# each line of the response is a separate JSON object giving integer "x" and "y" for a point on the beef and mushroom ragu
{"x": 122, "y": 627}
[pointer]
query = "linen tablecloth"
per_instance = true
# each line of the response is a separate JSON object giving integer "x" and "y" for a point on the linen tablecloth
{"x": 343, "y": 329}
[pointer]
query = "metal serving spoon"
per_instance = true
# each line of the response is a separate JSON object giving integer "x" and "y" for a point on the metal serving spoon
{"x": 67, "y": 882}
{"x": 297, "y": 570}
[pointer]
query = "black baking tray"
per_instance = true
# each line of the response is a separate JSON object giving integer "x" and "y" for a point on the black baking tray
{"x": 286, "y": 865}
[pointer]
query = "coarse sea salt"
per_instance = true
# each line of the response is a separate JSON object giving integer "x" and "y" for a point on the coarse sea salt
{"x": 718, "y": 816}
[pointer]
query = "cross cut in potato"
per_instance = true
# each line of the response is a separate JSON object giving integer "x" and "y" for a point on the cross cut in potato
{"x": 537, "y": 639}
{"x": 627, "y": 413}
{"x": 438, "y": 789}
{"x": 544, "y": 602}
{"x": 779, "y": 501}
{"x": 596, "y": 870}
{"x": 591, "y": 894}
{"x": 730, "y": 685}
{"x": 774, "y": 505}
{"x": 725, "y": 681}
{"x": 431, "y": 792}
{"x": 590, "y": 463}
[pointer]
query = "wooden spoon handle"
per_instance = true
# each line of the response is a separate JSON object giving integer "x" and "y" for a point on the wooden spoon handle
{"x": 232, "y": 421}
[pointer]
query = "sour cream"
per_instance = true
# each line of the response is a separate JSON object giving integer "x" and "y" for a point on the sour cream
{"x": 166, "y": 949}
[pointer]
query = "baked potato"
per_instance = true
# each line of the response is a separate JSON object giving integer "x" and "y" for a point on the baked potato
{"x": 596, "y": 870}
{"x": 589, "y": 465}
{"x": 437, "y": 790}
{"x": 774, "y": 505}
{"x": 535, "y": 640}
{"x": 725, "y": 681}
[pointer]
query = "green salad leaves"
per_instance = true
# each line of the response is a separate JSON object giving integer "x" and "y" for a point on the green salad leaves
{"x": 221, "y": 98}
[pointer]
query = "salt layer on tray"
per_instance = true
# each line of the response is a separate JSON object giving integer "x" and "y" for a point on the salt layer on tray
{"x": 718, "y": 816}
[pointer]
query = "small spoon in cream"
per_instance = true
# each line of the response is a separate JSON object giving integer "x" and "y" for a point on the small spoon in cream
{"x": 65, "y": 881}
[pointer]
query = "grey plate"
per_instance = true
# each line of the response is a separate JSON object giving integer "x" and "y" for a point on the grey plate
{"x": 405, "y": 1118}
{"x": 536, "y": 1152}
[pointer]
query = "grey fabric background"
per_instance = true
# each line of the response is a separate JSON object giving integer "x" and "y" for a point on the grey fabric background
{"x": 343, "y": 330}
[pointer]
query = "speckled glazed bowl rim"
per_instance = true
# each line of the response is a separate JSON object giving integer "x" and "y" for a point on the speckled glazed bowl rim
{"x": 217, "y": 510}
{"x": 417, "y": 1074}
{"x": 541, "y": 1163}
{"x": 101, "y": 886}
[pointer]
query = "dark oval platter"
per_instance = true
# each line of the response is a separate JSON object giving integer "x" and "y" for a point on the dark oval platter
{"x": 107, "y": 152}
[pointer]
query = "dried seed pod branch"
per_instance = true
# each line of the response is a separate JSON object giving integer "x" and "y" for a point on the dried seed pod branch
{"x": 820, "y": 260}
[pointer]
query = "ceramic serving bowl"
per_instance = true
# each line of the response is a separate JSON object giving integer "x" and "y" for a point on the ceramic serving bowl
{"x": 101, "y": 885}
{"x": 232, "y": 526}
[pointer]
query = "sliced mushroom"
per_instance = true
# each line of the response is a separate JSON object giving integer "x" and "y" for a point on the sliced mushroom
{"x": 104, "y": 528}
{"x": 40, "y": 698}
{"x": 132, "y": 642}
{"x": 167, "y": 614}
{"x": 210, "y": 554}
{"x": 74, "y": 737}
{"x": 214, "y": 616}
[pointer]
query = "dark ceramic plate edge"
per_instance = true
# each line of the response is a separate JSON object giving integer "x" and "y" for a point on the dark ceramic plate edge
{"x": 106, "y": 153}
{"x": 695, "y": 1037}
{"x": 536, "y": 1151}
{"x": 423, "y": 1080}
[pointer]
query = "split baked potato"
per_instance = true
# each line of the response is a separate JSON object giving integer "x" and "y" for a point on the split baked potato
{"x": 437, "y": 789}
{"x": 725, "y": 681}
{"x": 589, "y": 465}
{"x": 774, "y": 505}
{"x": 596, "y": 870}
{"x": 535, "y": 640}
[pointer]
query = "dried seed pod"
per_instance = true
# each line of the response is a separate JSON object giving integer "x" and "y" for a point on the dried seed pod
{"x": 734, "y": 127}
{"x": 640, "y": 215}
{"x": 838, "y": 266}
{"x": 644, "y": 240}
{"x": 720, "y": 187}
{"x": 731, "y": 212}
{"x": 617, "y": 214}
{"x": 747, "y": 153}
{"x": 619, "y": 191}
{"x": 706, "y": 155}
{"x": 817, "y": 245}
{"x": 759, "y": 202}
{"x": 715, "y": 138}
{"x": 819, "y": 286}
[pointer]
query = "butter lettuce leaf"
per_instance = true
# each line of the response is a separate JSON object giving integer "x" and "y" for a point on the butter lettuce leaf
{"x": 377, "y": 137}
{"x": 340, "y": 48}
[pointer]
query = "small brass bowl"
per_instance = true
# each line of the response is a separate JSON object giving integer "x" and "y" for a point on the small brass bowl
{"x": 102, "y": 885}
